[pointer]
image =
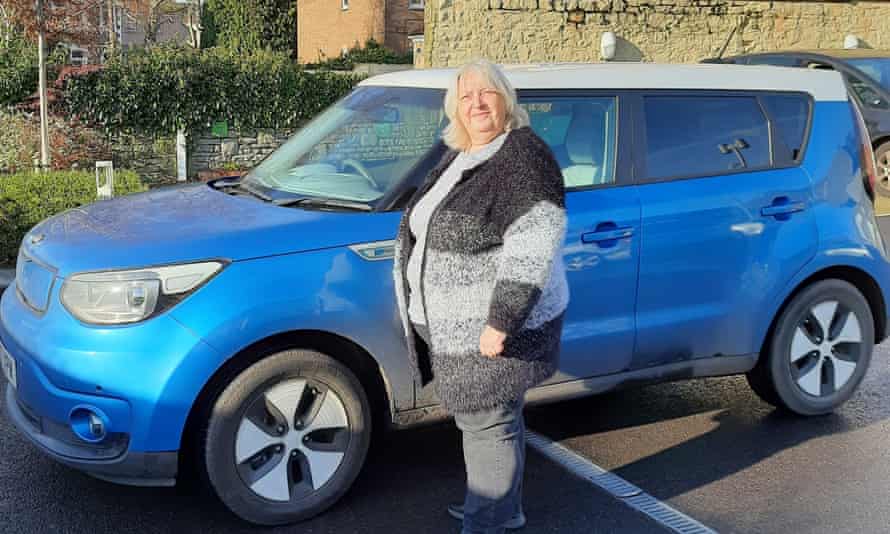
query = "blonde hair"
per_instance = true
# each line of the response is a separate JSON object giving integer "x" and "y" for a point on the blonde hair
{"x": 455, "y": 134}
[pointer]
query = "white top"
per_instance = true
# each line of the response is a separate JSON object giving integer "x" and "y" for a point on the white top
{"x": 823, "y": 85}
{"x": 419, "y": 220}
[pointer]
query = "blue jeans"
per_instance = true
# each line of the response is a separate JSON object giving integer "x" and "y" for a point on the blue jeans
{"x": 494, "y": 453}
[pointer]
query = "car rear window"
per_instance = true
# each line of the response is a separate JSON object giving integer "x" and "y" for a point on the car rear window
{"x": 790, "y": 115}
{"x": 689, "y": 136}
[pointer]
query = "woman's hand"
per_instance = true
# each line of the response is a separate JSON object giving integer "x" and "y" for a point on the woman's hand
{"x": 491, "y": 343}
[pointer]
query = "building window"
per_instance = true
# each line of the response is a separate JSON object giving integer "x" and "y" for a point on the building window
{"x": 415, "y": 4}
{"x": 344, "y": 4}
{"x": 77, "y": 55}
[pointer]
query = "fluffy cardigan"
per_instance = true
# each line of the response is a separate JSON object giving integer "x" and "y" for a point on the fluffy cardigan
{"x": 493, "y": 256}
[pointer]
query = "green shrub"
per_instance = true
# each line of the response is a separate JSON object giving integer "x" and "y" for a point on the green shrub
{"x": 28, "y": 198}
{"x": 249, "y": 25}
{"x": 18, "y": 70}
{"x": 158, "y": 90}
{"x": 19, "y": 142}
{"x": 373, "y": 52}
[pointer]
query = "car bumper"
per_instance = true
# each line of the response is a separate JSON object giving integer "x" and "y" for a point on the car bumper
{"x": 110, "y": 461}
{"x": 142, "y": 380}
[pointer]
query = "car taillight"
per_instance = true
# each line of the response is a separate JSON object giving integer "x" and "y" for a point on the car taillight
{"x": 867, "y": 155}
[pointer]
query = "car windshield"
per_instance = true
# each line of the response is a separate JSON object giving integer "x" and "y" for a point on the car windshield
{"x": 877, "y": 69}
{"x": 356, "y": 150}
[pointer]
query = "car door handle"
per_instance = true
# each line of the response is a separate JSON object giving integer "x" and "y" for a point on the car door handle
{"x": 607, "y": 235}
{"x": 778, "y": 209}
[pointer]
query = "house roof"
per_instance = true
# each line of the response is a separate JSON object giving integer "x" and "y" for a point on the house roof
{"x": 822, "y": 85}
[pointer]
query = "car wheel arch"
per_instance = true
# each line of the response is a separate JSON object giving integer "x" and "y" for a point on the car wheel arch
{"x": 875, "y": 143}
{"x": 353, "y": 356}
{"x": 860, "y": 279}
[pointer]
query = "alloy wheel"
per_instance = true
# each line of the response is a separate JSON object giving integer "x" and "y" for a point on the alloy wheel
{"x": 291, "y": 440}
{"x": 825, "y": 349}
{"x": 883, "y": 164}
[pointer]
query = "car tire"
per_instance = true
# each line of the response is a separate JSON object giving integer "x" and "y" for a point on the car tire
{"x": 802, "y": 369}
{"x": 287, "y": 437}
{"x": 882, "y": 169}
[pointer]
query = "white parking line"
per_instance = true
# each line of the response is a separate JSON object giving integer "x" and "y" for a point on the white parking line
{"x": 616, "y": 486}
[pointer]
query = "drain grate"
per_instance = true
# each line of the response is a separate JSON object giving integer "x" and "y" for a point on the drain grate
{"x": 616, "y": 486}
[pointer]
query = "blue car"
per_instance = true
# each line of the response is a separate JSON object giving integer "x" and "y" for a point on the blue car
{"x": 246, "y": 329}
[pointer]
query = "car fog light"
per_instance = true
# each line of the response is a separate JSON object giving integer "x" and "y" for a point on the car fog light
{"x": 89, "y": 424}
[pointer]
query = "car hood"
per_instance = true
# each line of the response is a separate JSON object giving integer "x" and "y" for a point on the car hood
{"x": 192, "y": 223}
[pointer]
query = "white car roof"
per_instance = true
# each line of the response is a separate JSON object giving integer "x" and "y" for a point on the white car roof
{"x": 823, "y": 85}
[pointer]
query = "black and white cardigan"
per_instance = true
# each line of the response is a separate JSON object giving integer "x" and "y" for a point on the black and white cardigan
{"x": 493, "y": 256}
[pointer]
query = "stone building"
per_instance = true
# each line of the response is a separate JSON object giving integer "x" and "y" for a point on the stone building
{"x": 325, "y": 28}
{"x": 646, "y": 30}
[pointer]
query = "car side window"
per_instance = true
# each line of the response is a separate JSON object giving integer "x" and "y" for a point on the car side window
{"x": 790, "y": 114}
{"x": 689, "y": 136}
{"x": 779, "y": 61}
{"x": 866, "y": 94}
{"x": 581, "y": 131}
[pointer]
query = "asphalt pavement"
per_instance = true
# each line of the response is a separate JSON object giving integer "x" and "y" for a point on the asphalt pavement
{"x": 711, "y": 449}
{"x": 408, "y": 480}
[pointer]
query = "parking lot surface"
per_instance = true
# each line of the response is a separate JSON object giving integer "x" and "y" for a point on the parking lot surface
{"x": 409, "y": 479}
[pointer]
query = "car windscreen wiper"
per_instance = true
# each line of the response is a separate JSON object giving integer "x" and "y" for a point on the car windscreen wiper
{"x": 241, "y": 186}
{"x": 322, "y": 202}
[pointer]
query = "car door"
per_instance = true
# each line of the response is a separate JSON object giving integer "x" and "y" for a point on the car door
{"x": 724, "y": 215}
{"x": 601, "y": 250}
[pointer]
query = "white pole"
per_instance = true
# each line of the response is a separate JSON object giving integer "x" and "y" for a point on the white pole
{"x": 44, "y": 118}
{"x": 181, "y": 157}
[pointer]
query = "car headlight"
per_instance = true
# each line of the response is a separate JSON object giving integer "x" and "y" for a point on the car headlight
{"x": 122, "y": 297}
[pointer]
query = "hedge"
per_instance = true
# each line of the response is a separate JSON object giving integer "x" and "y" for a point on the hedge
{"x": 18, "y": 70}
{"x": 158, "y": 90}
{"x": 373, "y": 52}
{"x": 28, "y": 198}
{"x": 250, "y": 25}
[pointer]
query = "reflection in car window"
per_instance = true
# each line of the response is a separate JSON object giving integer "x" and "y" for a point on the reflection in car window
{"x": 581, "y": 133}
{"x": 789, "y": 114}
{"x": 779, "y": 61}
{"x": 878, "y": 69}
{"x": 701, "y": 136}
{"x": 358, "y": 149}
{"x": 866, "y": 94}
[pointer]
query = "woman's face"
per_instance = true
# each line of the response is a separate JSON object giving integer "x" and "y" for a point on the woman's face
{"x": 481, "y": 108}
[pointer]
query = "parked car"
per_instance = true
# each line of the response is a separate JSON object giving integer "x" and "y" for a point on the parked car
{"x": 247, "y": 327}
{"x": 867, "y": 73}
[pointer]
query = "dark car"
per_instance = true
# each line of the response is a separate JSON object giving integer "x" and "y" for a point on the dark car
{"x": 867, "y": 73}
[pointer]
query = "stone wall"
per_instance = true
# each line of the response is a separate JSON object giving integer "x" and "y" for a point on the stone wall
{"x": 243, "y": 150}
{"x": 153, "y": 159}
{"x": 647, "y": 30}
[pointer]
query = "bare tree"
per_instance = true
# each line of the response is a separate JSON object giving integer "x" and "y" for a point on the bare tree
{"x": 74, "y": 21}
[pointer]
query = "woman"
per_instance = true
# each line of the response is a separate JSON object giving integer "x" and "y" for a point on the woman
{"x": 479, "y": 279}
